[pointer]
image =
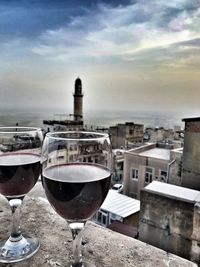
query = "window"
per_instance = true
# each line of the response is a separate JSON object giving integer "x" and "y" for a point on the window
{"x": 90, "y": 159}
{"x": 60, "y": 157}
{"x": 134, "y": 174}
{"x": 99, "y": 216}
{"x": 102, "y": 217}
{"x": 163, "y": 176}
{"x": 148, "y": 175}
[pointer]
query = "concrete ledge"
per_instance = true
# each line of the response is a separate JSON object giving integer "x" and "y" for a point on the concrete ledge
{"x": 103, "y": 247}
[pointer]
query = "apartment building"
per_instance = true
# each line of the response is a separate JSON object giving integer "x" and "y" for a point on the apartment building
{"x": 148, "y": 163}
{"x": 120, "y": 208}
{"x": 122, "y": 134}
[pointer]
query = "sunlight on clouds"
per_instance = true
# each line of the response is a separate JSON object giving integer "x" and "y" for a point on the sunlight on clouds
{"x": 122, "y": 32}
{"x": 183, "y": 62}
{"x": 140, "y": 53}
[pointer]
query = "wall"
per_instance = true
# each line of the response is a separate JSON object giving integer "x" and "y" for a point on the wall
{"x": 132, "y": 220}
{"x": 102, "y": 247}
{"x": 195, "y": 252}
{"x": 175, "y": 169}
{"x": 191, "y": 156}
{"x": 167, "y": 223}
{"x": 132, "y": 187}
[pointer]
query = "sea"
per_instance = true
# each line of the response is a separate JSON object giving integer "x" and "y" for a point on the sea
{"x": 101, "y": 118}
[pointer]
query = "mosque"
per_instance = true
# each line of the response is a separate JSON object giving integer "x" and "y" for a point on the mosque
{"x": 74, "y": 124}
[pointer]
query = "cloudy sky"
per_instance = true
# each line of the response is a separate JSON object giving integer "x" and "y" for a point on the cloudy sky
{"x": 130, "y": 55}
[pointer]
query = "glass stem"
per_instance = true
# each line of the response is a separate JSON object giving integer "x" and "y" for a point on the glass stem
{"x": 16, "y": 234}
{"x": 76, "y": 229}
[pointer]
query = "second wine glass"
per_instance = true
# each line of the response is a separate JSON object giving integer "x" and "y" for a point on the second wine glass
{"x": 76, "y": 177}
{"x": 20, "y": 167}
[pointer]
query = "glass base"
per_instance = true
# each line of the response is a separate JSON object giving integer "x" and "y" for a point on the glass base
{"x": 83, "y": 264}
{"x": 14, "y": 251}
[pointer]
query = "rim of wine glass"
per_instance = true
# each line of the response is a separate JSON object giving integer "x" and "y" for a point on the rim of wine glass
{"x": 22, "y": 129}
{"x": 98, "y": 136}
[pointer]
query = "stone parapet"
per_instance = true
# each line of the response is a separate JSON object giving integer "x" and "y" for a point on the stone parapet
{"x": 102, "y": 247}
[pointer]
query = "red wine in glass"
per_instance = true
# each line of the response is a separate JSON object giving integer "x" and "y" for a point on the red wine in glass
{"x": 76, "y": 174}
{"x": 20, "y": 167}
{"x": 76, "y": 191}
{"x": 18, "y": 173}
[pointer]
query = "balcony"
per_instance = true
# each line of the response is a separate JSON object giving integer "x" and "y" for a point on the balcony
{"x": 102, "y": 247}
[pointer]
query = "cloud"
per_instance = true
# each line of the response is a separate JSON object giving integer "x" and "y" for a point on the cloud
{"x": 30, "y": 18}
{"x": 124, "y": 33}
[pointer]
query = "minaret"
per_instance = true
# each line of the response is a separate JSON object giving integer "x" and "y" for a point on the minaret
{"x": 78, "y": 101}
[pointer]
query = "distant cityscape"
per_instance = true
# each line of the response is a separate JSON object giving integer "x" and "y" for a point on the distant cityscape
{"x": 154, "y": 193}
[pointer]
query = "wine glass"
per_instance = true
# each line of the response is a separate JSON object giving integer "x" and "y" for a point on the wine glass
{"x": 76, "y": 174}
{"x": 20, "y": 167}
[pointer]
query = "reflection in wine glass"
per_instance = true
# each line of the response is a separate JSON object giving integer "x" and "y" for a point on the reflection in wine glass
{"x": 76, "y": 178}
{"x": 20, "y": 167}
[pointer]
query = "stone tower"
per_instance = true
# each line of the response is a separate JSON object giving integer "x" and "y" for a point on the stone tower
{"x": 78, "y": 101}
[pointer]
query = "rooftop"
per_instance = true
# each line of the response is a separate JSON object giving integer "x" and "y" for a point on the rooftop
{"x": 103, "y": 247}
{"x": 159, "y": 153}
{"x": 120, "y": 205}
{"x": 191, "y": 119}
{"x": 174, "y": 191}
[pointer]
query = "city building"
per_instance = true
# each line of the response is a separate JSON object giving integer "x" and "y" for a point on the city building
{"x": 118, "y": 207}
{"x": 77, "y": 123}
{"x": 170, "y": 219}
{"x": 191, "y": 154}
{"x": 175, "y": 167}
{"x": 118, "y": 165}
{"x": 148, "y": 163}
{"x": 90, "y": 152}
{"x": 122, "y": 134}
{"x": 157, "y": 134}
{"x": 160, "y": 134}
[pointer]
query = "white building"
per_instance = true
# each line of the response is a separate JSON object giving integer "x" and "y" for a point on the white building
{"x": 148, "y": 163}
{"x": 118, "y": 207}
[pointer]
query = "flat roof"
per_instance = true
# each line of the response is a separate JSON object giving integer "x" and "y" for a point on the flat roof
{"x": 120, "y": 205}
{"x": 191, "y": 119}
{"x": 174, "y": 191}
{"x": 159, "y": 153}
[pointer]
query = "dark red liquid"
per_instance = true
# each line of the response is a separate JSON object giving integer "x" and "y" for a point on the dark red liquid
{"x": 76, "y": 191}
{"x": 18, "y": 173}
